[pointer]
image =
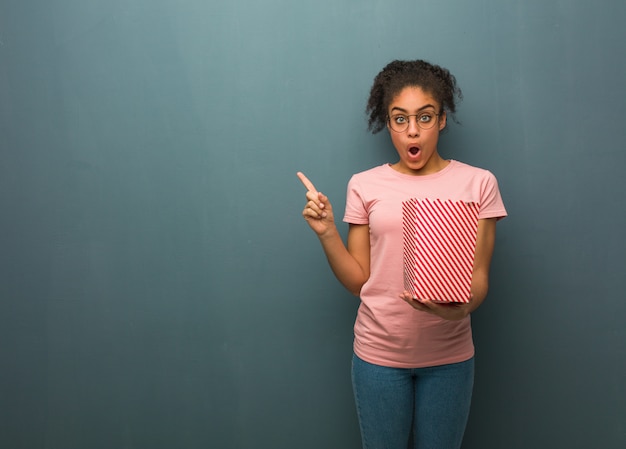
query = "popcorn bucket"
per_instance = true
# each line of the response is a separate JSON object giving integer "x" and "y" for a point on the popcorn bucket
{"x": 439, "y": 240}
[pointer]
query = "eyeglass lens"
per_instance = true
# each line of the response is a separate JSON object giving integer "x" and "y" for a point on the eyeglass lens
{"x": 400, "y": 122}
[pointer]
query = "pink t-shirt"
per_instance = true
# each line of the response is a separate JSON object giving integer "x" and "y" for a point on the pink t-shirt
{"x": 388, "y": 331}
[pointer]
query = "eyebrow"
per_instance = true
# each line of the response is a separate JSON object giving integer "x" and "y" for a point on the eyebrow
{"x": 420, "y": 109}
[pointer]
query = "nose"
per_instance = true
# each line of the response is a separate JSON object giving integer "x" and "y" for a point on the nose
{"x": 413, "y": 129}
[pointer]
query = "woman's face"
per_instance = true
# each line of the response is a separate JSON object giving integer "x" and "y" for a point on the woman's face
{"x": 416, "y": 146}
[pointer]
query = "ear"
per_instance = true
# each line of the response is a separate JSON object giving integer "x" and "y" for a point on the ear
{"x": 442, "y": 120}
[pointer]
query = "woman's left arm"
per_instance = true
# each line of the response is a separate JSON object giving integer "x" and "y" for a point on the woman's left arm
{"x": 485, "y": 240}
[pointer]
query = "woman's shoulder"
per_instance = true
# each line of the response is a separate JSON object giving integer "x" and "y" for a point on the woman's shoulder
{"x": 467, "y": 167}
{"x": 374, "y": 171}
{"x": 459, "y": 167}
{"x": 371, "y": 173}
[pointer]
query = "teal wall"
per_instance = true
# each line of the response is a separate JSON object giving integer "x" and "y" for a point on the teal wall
{"x": 158, "y": 286}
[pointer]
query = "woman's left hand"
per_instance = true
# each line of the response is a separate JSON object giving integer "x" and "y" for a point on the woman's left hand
{"x": 449, "y": 310}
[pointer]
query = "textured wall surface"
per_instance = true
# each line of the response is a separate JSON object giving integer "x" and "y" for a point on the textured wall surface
{"x": 158, "y": 286}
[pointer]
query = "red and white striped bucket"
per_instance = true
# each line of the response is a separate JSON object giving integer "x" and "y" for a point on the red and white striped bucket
{"x": 439, "y": 238}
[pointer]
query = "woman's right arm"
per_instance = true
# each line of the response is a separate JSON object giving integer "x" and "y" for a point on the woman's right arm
{"x": 351, "y": 264}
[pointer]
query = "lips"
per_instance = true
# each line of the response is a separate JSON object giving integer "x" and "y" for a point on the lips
{"x": 414, "y": 152}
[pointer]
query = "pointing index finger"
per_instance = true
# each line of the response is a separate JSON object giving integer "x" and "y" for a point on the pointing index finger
{"x": 308, "y": 184}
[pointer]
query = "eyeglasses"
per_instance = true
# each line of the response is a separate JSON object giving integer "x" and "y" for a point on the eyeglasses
{"x": 425, "y": 120}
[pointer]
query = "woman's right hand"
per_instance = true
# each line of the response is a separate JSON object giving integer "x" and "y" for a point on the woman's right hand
{"x": 318, "y": 212}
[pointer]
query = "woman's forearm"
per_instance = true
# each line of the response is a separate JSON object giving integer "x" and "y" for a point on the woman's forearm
{"x": 350, "y": 264}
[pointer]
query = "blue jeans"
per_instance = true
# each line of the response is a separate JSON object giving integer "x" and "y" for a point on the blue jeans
{"x": 428, "y": 406}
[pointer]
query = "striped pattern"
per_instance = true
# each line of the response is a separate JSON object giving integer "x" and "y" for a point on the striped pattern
{"x": 439, "y": 239}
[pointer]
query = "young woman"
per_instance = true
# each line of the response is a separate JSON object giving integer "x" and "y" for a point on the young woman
{"x": 413, "y": 362}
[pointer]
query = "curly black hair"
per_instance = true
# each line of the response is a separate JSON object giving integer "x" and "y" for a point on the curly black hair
{"x": 397, "y": 75}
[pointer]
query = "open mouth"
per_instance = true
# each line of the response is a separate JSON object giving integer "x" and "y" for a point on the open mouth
{"x": 414, "y": 150}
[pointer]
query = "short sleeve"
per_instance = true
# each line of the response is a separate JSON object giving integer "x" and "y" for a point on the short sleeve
{"x": 356, "y": 212}
{"x": 491, "y": 204}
